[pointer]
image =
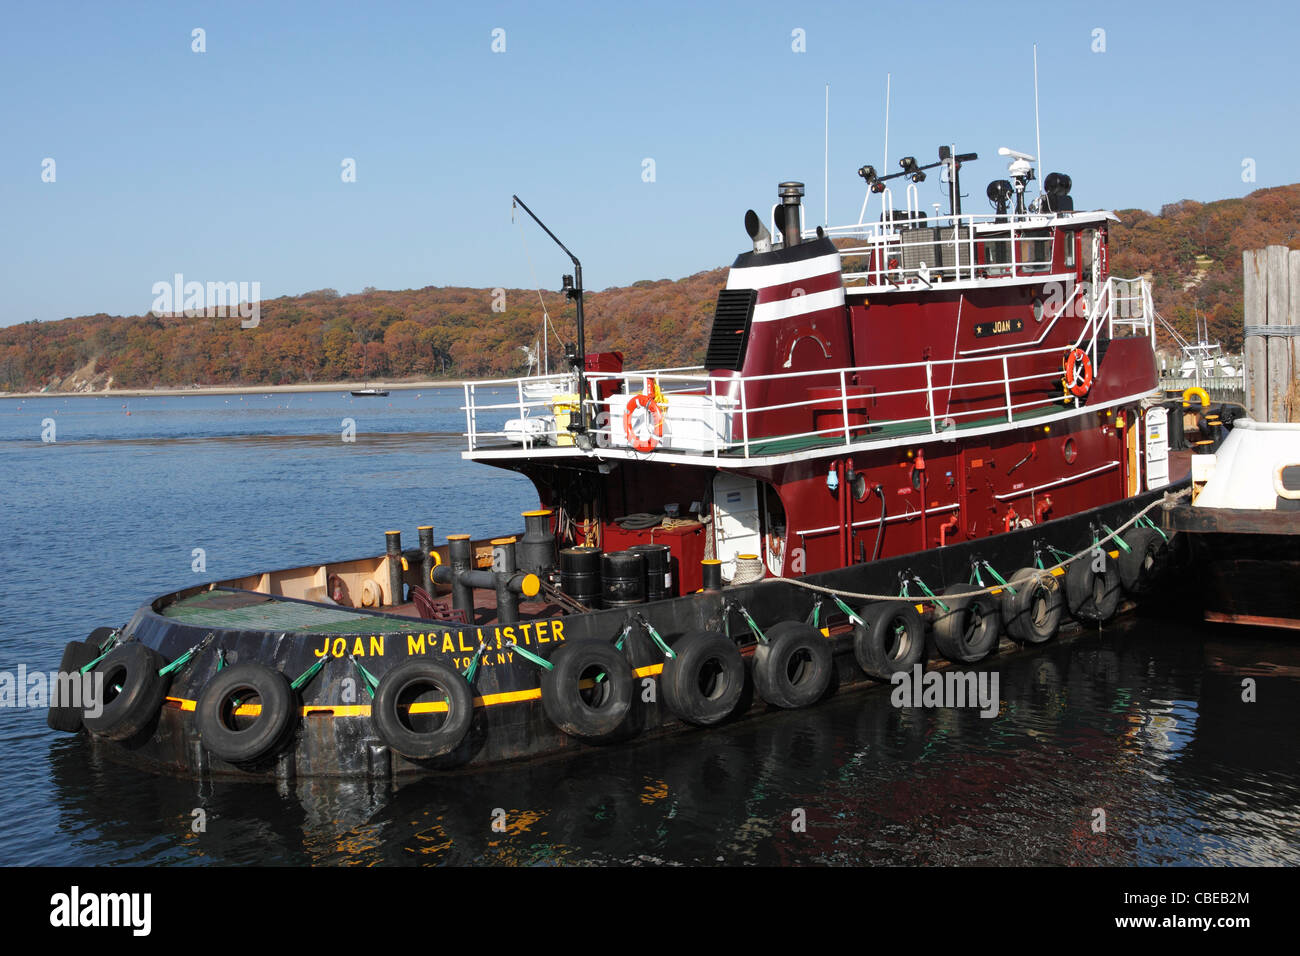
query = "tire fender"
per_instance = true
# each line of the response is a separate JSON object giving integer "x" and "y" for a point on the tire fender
{"x": 1092, "y": 596}
{"x": 408, "y": 707}
{"x": 64, "y": 715}
{"x": 1141, "y": 565}
{"x": 132, "y": 692}
{"x": 1032, "y": 615}
{"x": 890, "y": 639}
{"x": 703, "y": 683}
{"x": 968, "y": 631}
{"x": 793, "y": 667}
{"x": 579, "y": 704}
{"x": 244, "y": 738}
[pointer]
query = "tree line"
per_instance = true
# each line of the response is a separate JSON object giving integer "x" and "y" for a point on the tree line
{"x": 1191, "y": 250}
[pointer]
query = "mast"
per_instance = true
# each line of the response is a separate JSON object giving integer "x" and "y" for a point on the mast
{"x": 572, "y": 287}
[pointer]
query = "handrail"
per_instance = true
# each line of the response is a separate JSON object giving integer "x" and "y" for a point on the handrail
{"x": 710, "y": 419}
{"x": 989, "y": 229}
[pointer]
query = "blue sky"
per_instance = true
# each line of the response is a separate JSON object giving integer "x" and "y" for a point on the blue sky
{"x": 225, "y": 165}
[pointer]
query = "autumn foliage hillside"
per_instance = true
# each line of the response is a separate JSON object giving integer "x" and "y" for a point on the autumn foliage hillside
{"x": 1192, "y": 251}
{"x": 323, "y": 336}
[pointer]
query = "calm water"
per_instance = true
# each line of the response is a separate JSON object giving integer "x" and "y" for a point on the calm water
{"x": 1143, "y": 720}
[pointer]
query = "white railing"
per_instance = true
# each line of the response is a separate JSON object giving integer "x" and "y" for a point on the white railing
{"x": 710, "y": 415}
{"x": 920, "y": 249}
{"x": 1132, "y": 307}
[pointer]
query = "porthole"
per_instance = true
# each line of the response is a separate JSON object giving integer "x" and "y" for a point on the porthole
{"x": 1069, "y": 451}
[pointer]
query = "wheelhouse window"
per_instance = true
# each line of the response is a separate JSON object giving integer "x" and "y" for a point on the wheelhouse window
{"x": 997, "y": 254}
{"x": 1035, "y": 252}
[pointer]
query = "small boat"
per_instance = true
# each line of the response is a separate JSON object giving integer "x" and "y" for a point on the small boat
{"x": 369, "y": 392}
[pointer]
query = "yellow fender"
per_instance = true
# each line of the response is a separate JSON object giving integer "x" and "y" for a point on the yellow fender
{"x": 1193, "y": 392}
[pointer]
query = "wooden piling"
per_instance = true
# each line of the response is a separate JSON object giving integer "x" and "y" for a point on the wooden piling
{"x": 1279, "y": 346}
{"x": 1293, "y": 319}
{"x": 1254, "y": 352}
{"x": 1271, "y": 358}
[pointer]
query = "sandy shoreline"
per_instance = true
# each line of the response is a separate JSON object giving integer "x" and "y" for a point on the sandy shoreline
{"x": 237, "y": 389}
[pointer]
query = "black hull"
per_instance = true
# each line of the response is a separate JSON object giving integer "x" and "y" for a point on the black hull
{"x": 1245, "y": 565}
{"x": 509, "y": 723}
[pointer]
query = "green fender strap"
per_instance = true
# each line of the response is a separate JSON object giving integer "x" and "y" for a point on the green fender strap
{"x": 107, "y": 646}
{"x": 758, "y": 632}
{"x": 1118, "y": 540}
{"x": 472, "y": 669}
{"x": 530, "y": 656}
{"x": 299, "y": 682}
{"x": 924, "y": 587}
{"x": 853, "y": 617}
{"x": 369, "y": 679}
{"x": 997, "y": 577}
{"x": 185, "y": 658}
{"x": 815, "y": 615}
{"x": 669, "y": 653}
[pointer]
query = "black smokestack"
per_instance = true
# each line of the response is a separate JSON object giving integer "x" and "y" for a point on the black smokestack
{"x": 788, "y": 220}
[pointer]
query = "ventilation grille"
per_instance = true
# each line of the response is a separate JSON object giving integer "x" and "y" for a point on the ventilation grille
{"x": 730, "y": 332}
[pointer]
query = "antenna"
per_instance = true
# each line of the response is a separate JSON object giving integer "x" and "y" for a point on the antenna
{"x": 885, "y": 164}
{"x": 1038, "y": 140}
{"x": 826, "y": 194}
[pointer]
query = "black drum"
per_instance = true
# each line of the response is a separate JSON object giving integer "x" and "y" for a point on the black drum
{"x": 623, "y": 578}
{"x": 658, "y": 570}
{"x": 580, "y": 575}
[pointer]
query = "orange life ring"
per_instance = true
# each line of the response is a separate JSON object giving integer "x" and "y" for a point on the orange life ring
{"x": 651, "y": 440}
{"x": 1078, "y": 372}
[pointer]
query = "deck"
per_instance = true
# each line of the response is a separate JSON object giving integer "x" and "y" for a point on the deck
{"x": 237, "y": 610}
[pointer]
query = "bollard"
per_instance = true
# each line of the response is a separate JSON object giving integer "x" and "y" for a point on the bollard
{"x": 503, "y": 569}
{"x": 504, "y": 579}
{"x": 460, "y": 561}
{"x": 537, "y": 549}
{"x": 426, "y": 559}
{"x": 393, "y": 547}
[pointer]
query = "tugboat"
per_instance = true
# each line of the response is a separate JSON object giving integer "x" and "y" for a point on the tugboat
{"x": 923, "y": 429}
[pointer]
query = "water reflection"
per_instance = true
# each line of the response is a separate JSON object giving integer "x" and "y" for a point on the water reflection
{"x": 1150, "y": 729}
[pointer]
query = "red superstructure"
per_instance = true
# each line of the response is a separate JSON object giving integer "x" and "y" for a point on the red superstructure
{"x": 895, "y": 385}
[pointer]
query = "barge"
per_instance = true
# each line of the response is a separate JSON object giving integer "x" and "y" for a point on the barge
{"x": 1242, "y": 524}
{"x": 909, "y": 436}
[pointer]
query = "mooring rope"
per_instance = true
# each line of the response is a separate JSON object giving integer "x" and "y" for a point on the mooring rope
{"x": 1166, "y": 501}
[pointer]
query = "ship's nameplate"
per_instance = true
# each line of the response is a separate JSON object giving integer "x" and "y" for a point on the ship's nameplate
{"x": 984, "y": 329}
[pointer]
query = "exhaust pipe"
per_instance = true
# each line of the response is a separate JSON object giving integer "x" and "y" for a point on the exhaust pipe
{"x": 758, "y": 232}
{"x": 788, "y": 219}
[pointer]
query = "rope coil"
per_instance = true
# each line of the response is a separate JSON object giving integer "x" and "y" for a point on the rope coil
{"x": 749, "y": 569}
